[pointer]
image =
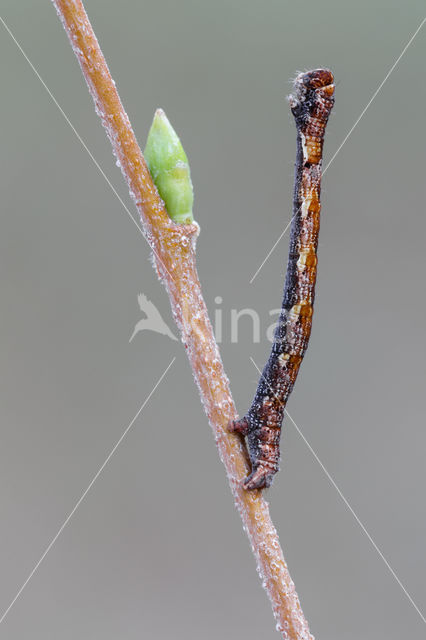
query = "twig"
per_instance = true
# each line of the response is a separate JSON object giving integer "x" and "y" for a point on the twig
{"x": 174, "y": 257}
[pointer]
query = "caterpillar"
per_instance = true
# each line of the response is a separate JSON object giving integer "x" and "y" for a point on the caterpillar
{"x": 311, "y": 104}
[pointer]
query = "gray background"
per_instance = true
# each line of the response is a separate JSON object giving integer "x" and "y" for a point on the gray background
{"x": 156, "y": 549}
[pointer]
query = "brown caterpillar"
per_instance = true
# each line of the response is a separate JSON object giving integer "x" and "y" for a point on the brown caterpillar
{"x": 311, "y": 105}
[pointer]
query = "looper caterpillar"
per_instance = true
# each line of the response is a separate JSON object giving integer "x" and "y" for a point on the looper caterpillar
{"x": 311, "y": 105}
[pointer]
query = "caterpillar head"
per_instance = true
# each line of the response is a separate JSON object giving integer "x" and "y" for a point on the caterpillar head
{"x": 313, "y": 95}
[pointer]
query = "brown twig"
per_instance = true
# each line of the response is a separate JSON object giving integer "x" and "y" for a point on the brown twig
{"x": 174, "y": 256}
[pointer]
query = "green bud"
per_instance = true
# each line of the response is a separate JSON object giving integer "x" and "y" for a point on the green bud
{"x": 169, "y": 168}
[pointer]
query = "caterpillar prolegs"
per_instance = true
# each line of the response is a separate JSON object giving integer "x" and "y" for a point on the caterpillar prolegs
{"x": 311, "y": 104}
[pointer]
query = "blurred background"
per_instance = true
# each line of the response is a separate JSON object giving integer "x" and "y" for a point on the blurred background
{"x": 156, "y": 549}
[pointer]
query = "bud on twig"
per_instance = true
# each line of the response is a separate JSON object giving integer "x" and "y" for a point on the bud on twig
{"x": 169, "y": 168}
